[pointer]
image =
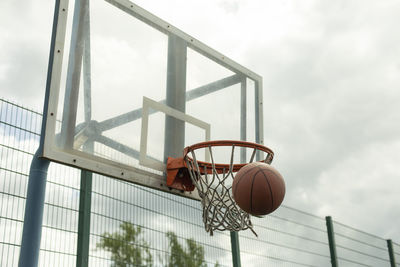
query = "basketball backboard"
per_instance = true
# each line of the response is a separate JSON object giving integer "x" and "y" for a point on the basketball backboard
{"x": 127, "y": 89}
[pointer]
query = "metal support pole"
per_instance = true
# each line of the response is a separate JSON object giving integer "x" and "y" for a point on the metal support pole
{"x": 85, "y": 200}
{"x": 85, "y": 197}
{"x": 87, "y": 70}
{"x": 259, "y": 115}
{"x": 331, "y": 238}
{"x": 391, "y": 253}
{"x": 32, "y": 231}
{"x": 243, "y": 136}
{"x": 33, "y": 218}
{"x": 235, "y": 249}
{"x": 74, "y": 74}
{"x": 243, "y": 117}
{"x": 174, "y": 141}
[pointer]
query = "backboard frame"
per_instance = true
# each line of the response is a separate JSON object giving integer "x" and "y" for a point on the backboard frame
{"x": 93, "y": 163}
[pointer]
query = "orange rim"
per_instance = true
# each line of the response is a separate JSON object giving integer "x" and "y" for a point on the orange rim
{"x": 218, "y": 166}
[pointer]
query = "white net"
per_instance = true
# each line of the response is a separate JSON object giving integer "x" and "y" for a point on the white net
{"x": 214, "y": 185}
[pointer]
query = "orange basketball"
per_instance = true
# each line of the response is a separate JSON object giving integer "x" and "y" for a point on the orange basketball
{"x": 258, "y": 188}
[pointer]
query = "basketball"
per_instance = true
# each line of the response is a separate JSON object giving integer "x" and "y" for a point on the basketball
{"x": 258, "y": 188}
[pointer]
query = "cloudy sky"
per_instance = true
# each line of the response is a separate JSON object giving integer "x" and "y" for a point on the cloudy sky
{"x": 331, "y": 90}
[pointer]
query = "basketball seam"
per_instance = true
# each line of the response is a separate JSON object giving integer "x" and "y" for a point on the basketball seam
{"x": 240, "y": 179}
{"x": 270, "y": 190}
{"x": 251, "y": 192}
{"x": 252, "y": 185}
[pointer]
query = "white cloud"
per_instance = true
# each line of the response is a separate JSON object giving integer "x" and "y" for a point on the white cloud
{"x": 363, "y": 185}
{"x": 24, "y": 47}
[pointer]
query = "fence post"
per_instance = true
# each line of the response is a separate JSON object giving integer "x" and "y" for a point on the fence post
{"x": 331, "y": 238}
{"x": 235, "y": 249}
{"x": 85, "y": 200}
{"x": 391, "y": 253}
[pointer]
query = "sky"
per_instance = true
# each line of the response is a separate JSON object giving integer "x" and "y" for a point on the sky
{"x": 331, "y": 90}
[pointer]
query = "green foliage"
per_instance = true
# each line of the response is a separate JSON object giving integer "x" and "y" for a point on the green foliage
{"x": 192, "y": 256}
{"x": 127, "y": 248}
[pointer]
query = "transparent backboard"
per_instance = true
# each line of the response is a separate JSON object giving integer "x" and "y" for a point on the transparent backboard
{"x": 127, "y": 90}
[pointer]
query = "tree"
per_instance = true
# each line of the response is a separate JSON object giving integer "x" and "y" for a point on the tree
{"x": 192, "y": 256}
{"x": 127, "y": 248}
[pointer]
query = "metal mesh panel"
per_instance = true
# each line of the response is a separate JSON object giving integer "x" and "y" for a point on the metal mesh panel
{"x": 19, "y": 136}
{"x": 157, "y": 213}
{"x": 396, "y": 249}
{"x": 355, "y": 247}
{"x": 287, "y": 237}
{"x": 60, "y": 217}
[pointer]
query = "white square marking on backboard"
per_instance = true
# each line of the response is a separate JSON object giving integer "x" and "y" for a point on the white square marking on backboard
{"x": 144, "y": 160}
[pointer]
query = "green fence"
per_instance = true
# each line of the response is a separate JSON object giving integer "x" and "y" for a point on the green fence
{"x": 358, "y": 248}
{"x": 288, "y": 237}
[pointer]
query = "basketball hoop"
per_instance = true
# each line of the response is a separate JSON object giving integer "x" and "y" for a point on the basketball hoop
{"x": 214, "y": 183}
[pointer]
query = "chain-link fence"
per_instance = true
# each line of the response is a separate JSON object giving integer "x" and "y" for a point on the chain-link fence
{"x": 158, "y": 228}
{"x": 396, "y": 253}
